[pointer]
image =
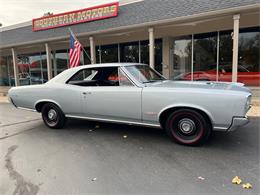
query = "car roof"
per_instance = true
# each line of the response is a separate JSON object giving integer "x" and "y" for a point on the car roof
{"x": 65, "y": 75}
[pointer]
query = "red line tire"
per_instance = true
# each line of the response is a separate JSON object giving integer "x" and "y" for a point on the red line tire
{"x": 188, "y": 127}
{"x": 53, "y": 116}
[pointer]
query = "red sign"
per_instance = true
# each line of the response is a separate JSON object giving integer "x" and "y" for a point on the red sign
{"x": 75, "y": 17}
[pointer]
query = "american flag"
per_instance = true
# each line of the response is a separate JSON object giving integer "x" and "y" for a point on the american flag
{"x": 75, "y": 52}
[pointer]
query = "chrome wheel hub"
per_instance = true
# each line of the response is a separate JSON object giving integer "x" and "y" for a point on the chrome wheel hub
{"x": 52, "y": 114}
{"x": 186, "y": 126}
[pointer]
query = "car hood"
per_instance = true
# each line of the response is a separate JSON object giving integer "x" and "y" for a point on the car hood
{"x": 201, "y": 85}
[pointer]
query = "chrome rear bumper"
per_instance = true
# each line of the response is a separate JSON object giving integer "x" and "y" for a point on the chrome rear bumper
{"x": 238, "y": 122}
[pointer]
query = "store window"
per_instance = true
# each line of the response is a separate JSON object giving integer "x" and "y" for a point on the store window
{"x": 225, "y": 56}
{"x": 44, "y": 72}
{"x": 205, "y": 57}
{"x": 6, "y": 71}
{"x": 61, "y": 61}
{"x": 98, "y": 54}
{"x": 182, "y": 58}
{"x": 249, "y": 59}
{"x": 144, "y": 49}
{"x": 129, "y": 52}
{"x": 158, "y": 55}
{"x": 30, "y": 69}
{"x": 109, "y": 53}
{"x": 208, "y": 64}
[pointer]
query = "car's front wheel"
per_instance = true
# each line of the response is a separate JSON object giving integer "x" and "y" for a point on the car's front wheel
{"x": 188, "y": 127}
{"x": 53, "y": 116}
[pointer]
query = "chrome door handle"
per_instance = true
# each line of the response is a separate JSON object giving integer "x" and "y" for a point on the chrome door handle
{"x": 86, "y": 93}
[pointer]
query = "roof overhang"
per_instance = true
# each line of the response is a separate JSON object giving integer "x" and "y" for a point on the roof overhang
{"x": 217, "y": 13}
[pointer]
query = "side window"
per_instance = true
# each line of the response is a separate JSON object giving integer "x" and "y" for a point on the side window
{"x": 83, "y": 75}
{"x": 86, "y": 77}
{"x": 100, "y": 76}
{"x": 123, "y": 80}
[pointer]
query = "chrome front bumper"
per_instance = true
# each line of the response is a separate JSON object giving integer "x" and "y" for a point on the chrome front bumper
{"x": 238, "y": 122}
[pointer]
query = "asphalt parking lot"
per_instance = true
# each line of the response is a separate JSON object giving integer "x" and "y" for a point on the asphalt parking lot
{"x": 101, "y": 158}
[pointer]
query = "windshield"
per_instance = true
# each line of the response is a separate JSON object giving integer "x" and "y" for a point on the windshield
{"x": 144, "y": 74}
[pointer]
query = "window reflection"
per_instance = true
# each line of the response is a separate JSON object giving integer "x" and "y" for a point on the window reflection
{"x": 144, "y": 49}
{"x": 182, "y": 58}
{"x": 205, "y": 57}
{"x": 248, "y": 60}
{"x": 109, "y": 53}
{"x": 205, "y": 66}
{"x": 6, "y": 71}
{"x": 129, "y": 52}
{"x": 61, "y": 61}
{"x": 158, "y": 55}
{"x": 30, "y": 69}
{"x": 225, "y": 56}
{"x": 44, "y": 73}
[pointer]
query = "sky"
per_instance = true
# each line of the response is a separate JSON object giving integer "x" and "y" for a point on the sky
{"x": 17, "y": 11}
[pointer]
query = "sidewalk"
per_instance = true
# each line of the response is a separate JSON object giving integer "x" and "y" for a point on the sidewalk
{"x": 254, "y": 111}
{"x": 3, "y": 99}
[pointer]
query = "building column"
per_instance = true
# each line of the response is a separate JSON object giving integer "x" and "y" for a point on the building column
{"x": 49, "y": 61}
{"x": 15, "y": 65}
{"x": 151, "y": 47}
{"x": 167, "y": 67}
{"x": 92, "y": 50}
{"x": 235, "y": 47}
{"x": 55, "y": 71}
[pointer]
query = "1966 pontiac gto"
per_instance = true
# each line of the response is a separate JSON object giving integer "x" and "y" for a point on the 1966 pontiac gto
{"x": 136, "y": 94}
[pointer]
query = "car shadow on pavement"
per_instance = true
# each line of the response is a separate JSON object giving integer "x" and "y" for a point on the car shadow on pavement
{"x": 240, "y": 138}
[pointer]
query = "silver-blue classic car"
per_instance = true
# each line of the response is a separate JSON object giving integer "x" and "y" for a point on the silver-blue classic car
{"x": 136, "y": 94}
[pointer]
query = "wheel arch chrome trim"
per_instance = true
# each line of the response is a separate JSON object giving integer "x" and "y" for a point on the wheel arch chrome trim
{"x": 46, "y": 100}
{"x": 189, "y": 106}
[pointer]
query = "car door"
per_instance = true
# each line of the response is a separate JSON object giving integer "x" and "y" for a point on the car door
{"x": 121, "y": 101}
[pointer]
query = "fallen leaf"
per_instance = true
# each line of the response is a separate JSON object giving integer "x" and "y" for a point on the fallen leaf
{"x": 247, "y": 186}
{"x": 201, "y": 178}
{"x": 236, "y": 180}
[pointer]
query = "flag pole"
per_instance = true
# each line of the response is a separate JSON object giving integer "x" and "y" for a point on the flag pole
{"x": 80, "y": 44}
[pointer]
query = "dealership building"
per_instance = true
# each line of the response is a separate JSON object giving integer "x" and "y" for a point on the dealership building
{"x": 184, "y": 40}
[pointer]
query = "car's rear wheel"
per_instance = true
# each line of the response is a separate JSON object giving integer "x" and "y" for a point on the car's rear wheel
{"x": 53, "y": 116}
{"x": 188, "y": 127}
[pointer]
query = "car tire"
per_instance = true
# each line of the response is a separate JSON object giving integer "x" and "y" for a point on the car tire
{"x": 53, "y": 116}
{"x": 188, "y": 127}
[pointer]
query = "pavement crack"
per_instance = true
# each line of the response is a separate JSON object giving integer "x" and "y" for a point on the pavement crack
{"x": 8, "y": 136}
{"x": 23, "y": 187}
{"x": 27, "y": 121}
